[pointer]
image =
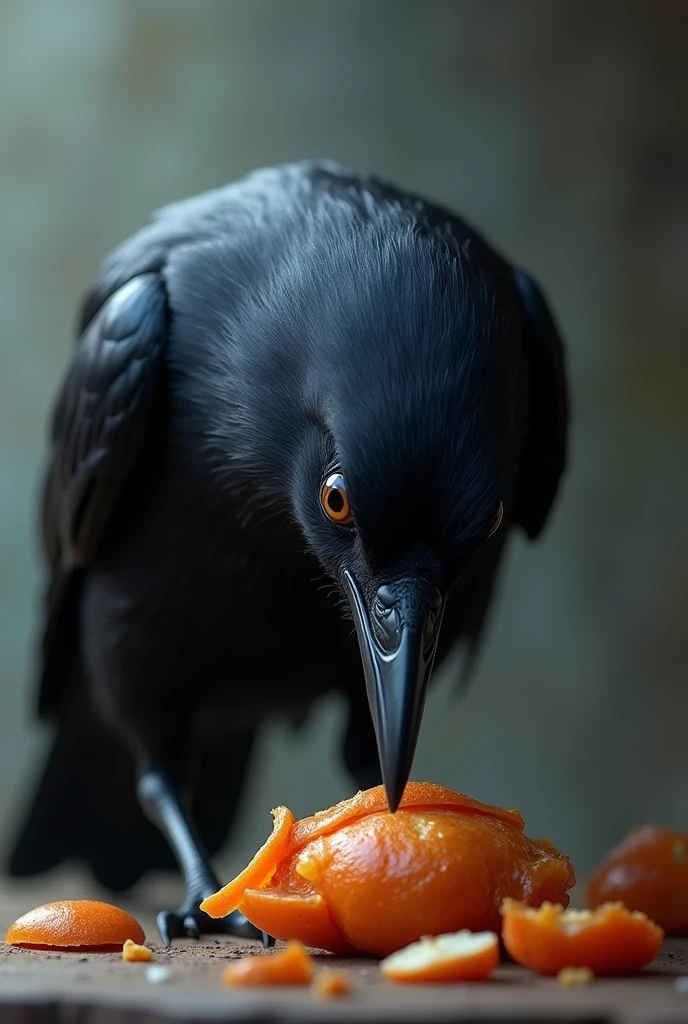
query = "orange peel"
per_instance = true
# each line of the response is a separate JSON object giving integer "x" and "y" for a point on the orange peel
{"x": 425, "y": 796}
{"x": 610, "y": 940}
{"x": 258, "y": 872}
{"x": 75, "y": 925}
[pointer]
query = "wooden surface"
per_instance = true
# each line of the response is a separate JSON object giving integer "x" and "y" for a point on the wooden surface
{"x": 53, "y": 988}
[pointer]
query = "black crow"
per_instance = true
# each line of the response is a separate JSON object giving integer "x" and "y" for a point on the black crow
{"x": 305, "y": 376}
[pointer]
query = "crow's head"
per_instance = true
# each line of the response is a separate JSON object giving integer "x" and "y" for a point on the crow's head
{"x": 377, "y": 402}
{"x": 406, "y": 482}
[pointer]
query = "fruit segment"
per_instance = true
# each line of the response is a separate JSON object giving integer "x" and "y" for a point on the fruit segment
{"x": 609, "y": 940}
{"x": 462, "y": 956}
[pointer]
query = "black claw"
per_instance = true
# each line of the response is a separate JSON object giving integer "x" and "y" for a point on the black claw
{"x": 187, "y": 923}
{"x": 164, "y": 921}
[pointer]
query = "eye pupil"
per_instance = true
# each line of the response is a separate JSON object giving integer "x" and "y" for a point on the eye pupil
{"x": 335, "y": 501}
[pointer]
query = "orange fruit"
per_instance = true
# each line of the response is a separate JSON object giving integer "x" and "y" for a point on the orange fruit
{"x": 76, "y": 925}
{"x": 292, "y": 966}
{"x": 355, "y": 877}
{"x": 609, "y": 940}
{"x": 462, "y": 956}
{"x": 648, "y": 871}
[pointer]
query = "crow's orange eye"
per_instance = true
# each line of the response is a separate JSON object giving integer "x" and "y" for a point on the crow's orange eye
{"x": 496, "y": 522}
{"x": 335, "y": 501}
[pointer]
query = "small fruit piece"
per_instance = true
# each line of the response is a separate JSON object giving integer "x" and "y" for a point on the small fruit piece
{"x": 609, "y": 940}
{"x": 575, "y": 977}
{"x": 648, "y": 871}
{"x": 329, "y": 984}
{"x": 291, "y": 966}
{"x": 355, "y": 877}
{"x": 461, "y": 956}
{"x": 76, "y": 925}
{"x": 132, "y": 952}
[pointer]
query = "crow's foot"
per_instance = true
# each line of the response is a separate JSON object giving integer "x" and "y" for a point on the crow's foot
{"x": 190, "y": 923}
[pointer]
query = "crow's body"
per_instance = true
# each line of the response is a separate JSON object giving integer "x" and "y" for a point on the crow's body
{"x": 234, "y": 350}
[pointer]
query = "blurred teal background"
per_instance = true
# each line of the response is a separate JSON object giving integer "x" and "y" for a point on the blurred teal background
{"x": 559, "y": 127}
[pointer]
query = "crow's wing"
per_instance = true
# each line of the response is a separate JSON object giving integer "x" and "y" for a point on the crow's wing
{"x": 110, "y": 395}
{"x": 104, "y": 409}
{"x": 101, "y": 417}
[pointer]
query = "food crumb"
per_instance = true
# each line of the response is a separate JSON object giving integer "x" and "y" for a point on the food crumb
{"x": 132, "y": 952}
{"x": 575, "y": 977}
{"x": 158, "y": 975}
{"x": 329, "y": 984}
{"x": 681, "y": 984}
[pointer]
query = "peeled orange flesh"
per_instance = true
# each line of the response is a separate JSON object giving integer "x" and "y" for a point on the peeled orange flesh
{"x": 292, "y": 966}
{"x": 647, "y": 871}
{"x": 75, "y": 925}
{"x": 357, "y": 878}
{"x": 609, "y": 940}
{"x": 462, "y": 956}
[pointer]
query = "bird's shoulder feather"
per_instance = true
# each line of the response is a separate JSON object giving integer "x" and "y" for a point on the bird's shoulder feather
{"x": 100, "y": 423}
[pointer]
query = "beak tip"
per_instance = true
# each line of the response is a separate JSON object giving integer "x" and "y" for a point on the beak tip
{"x": 394, "y": 791}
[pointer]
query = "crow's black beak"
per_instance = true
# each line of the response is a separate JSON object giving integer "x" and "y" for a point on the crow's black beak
{"x": 398, "y": 640}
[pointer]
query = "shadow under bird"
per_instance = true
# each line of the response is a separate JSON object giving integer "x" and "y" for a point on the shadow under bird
{"x": 305, "y": 376}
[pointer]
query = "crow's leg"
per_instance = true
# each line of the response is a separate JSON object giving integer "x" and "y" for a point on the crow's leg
{"x": 159, "y": 795}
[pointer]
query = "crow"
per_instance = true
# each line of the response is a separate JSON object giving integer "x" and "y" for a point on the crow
{"x": 298, "y": 401}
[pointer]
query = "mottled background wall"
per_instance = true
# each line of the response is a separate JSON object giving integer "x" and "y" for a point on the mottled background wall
{"x": 559, "y": 126}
